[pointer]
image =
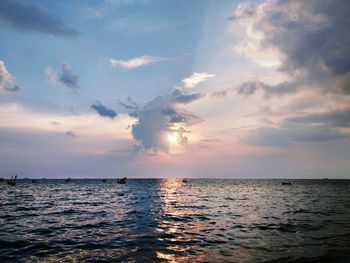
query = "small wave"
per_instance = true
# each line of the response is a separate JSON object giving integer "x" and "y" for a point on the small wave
{"x": 13, "y": 243}
{"x": 65, "y": 212}
{"x": 25, "y": 208}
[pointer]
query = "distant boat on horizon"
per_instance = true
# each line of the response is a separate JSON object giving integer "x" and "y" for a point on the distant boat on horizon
{"x": 184, "y": 180}
{"x": 12, "y": 181}
{"x": 121, "y": 180}
{"x": 68, "y": 180}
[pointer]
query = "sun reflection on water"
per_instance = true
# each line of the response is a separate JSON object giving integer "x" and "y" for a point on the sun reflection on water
{"x": 173, "y": 226}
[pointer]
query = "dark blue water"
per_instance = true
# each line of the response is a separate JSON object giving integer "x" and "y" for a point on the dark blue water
{"x": 171, "y": 221}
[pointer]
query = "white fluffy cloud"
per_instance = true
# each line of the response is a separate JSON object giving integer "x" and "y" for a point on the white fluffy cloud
{"x": 195, "y": 79}
{"x": 248, "y": 16}
{"x": 137, "y": 61}
{"x": 6, "y": 80}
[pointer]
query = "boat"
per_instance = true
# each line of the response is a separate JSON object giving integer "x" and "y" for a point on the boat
{"x": 68, "y": 180}
{"x": 104, "y": 180}
{"x": 12, "y": 181}
{"x": 121, "y": 180}
{"x": 286, "y": 183}
{"x": 184, "y": 180}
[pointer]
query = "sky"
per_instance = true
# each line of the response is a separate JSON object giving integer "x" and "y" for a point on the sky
{"x": 197, "y": 89}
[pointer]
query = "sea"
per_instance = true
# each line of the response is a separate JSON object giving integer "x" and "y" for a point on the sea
{"x": 168, "y": 220}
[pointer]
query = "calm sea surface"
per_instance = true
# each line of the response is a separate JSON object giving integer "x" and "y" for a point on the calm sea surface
{"x": 171, "y": 221}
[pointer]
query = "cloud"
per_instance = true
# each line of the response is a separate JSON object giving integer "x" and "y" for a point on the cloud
{"x": 87, "y": 124}
{"x": 178, "y": 97}
{"x": 334, "y": 118}
{"x": 308, "y": 40}
{"x": 136, "y": 24}
{"x": 93, "y": 12}
{"x": 6, "y": 80}
{"x": 70, "y": 134}
{"x": 308, "y": 43}
{"x": 160, "y": 117}
{"x": 252, "y": 87}
{"x": 14, "y": 88}
{"x": 55, "y": 123}
{"x": 129, "y": 105}
{"x": 119, "y": 3}
{"x": 108, "y": 7}
{"x": 195, "y": 79}
{"x": 103, "y": 111}
{"x": 64, "y": 76}
{"x": 307, "y": 128}
{"x": 181, "y": 138}
{"x": 222, "y": 93}
{"x": 137, "y": 61}
{"x": 286, "y": 136}
{"x": 29, "y": 17}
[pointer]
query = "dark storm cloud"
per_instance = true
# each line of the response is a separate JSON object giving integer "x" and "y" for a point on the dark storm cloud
{"x": 28, "y": 17}
{"x": 65, "y": 76}
{"x": 311, "y": 37}
{"x": 103, "y": 111}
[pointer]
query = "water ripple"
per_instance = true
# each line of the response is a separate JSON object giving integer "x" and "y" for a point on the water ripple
{"x": 171, "y": 221}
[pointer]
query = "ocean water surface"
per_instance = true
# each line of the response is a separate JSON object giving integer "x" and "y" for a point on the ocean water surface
{"x": 155, "y": 220}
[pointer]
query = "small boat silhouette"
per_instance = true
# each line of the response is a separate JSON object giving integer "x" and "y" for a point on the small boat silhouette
{"x": 12, "y": 181}
{"x": 121, "y": 180}
{"x": 68, "y": 180}
{"x": 286, "y": 183}
{"x": 104, "y": 180}
{"x": 184, "y": 180}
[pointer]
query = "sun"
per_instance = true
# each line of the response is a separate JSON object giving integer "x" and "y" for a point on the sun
{"x": 172, "y": 138}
